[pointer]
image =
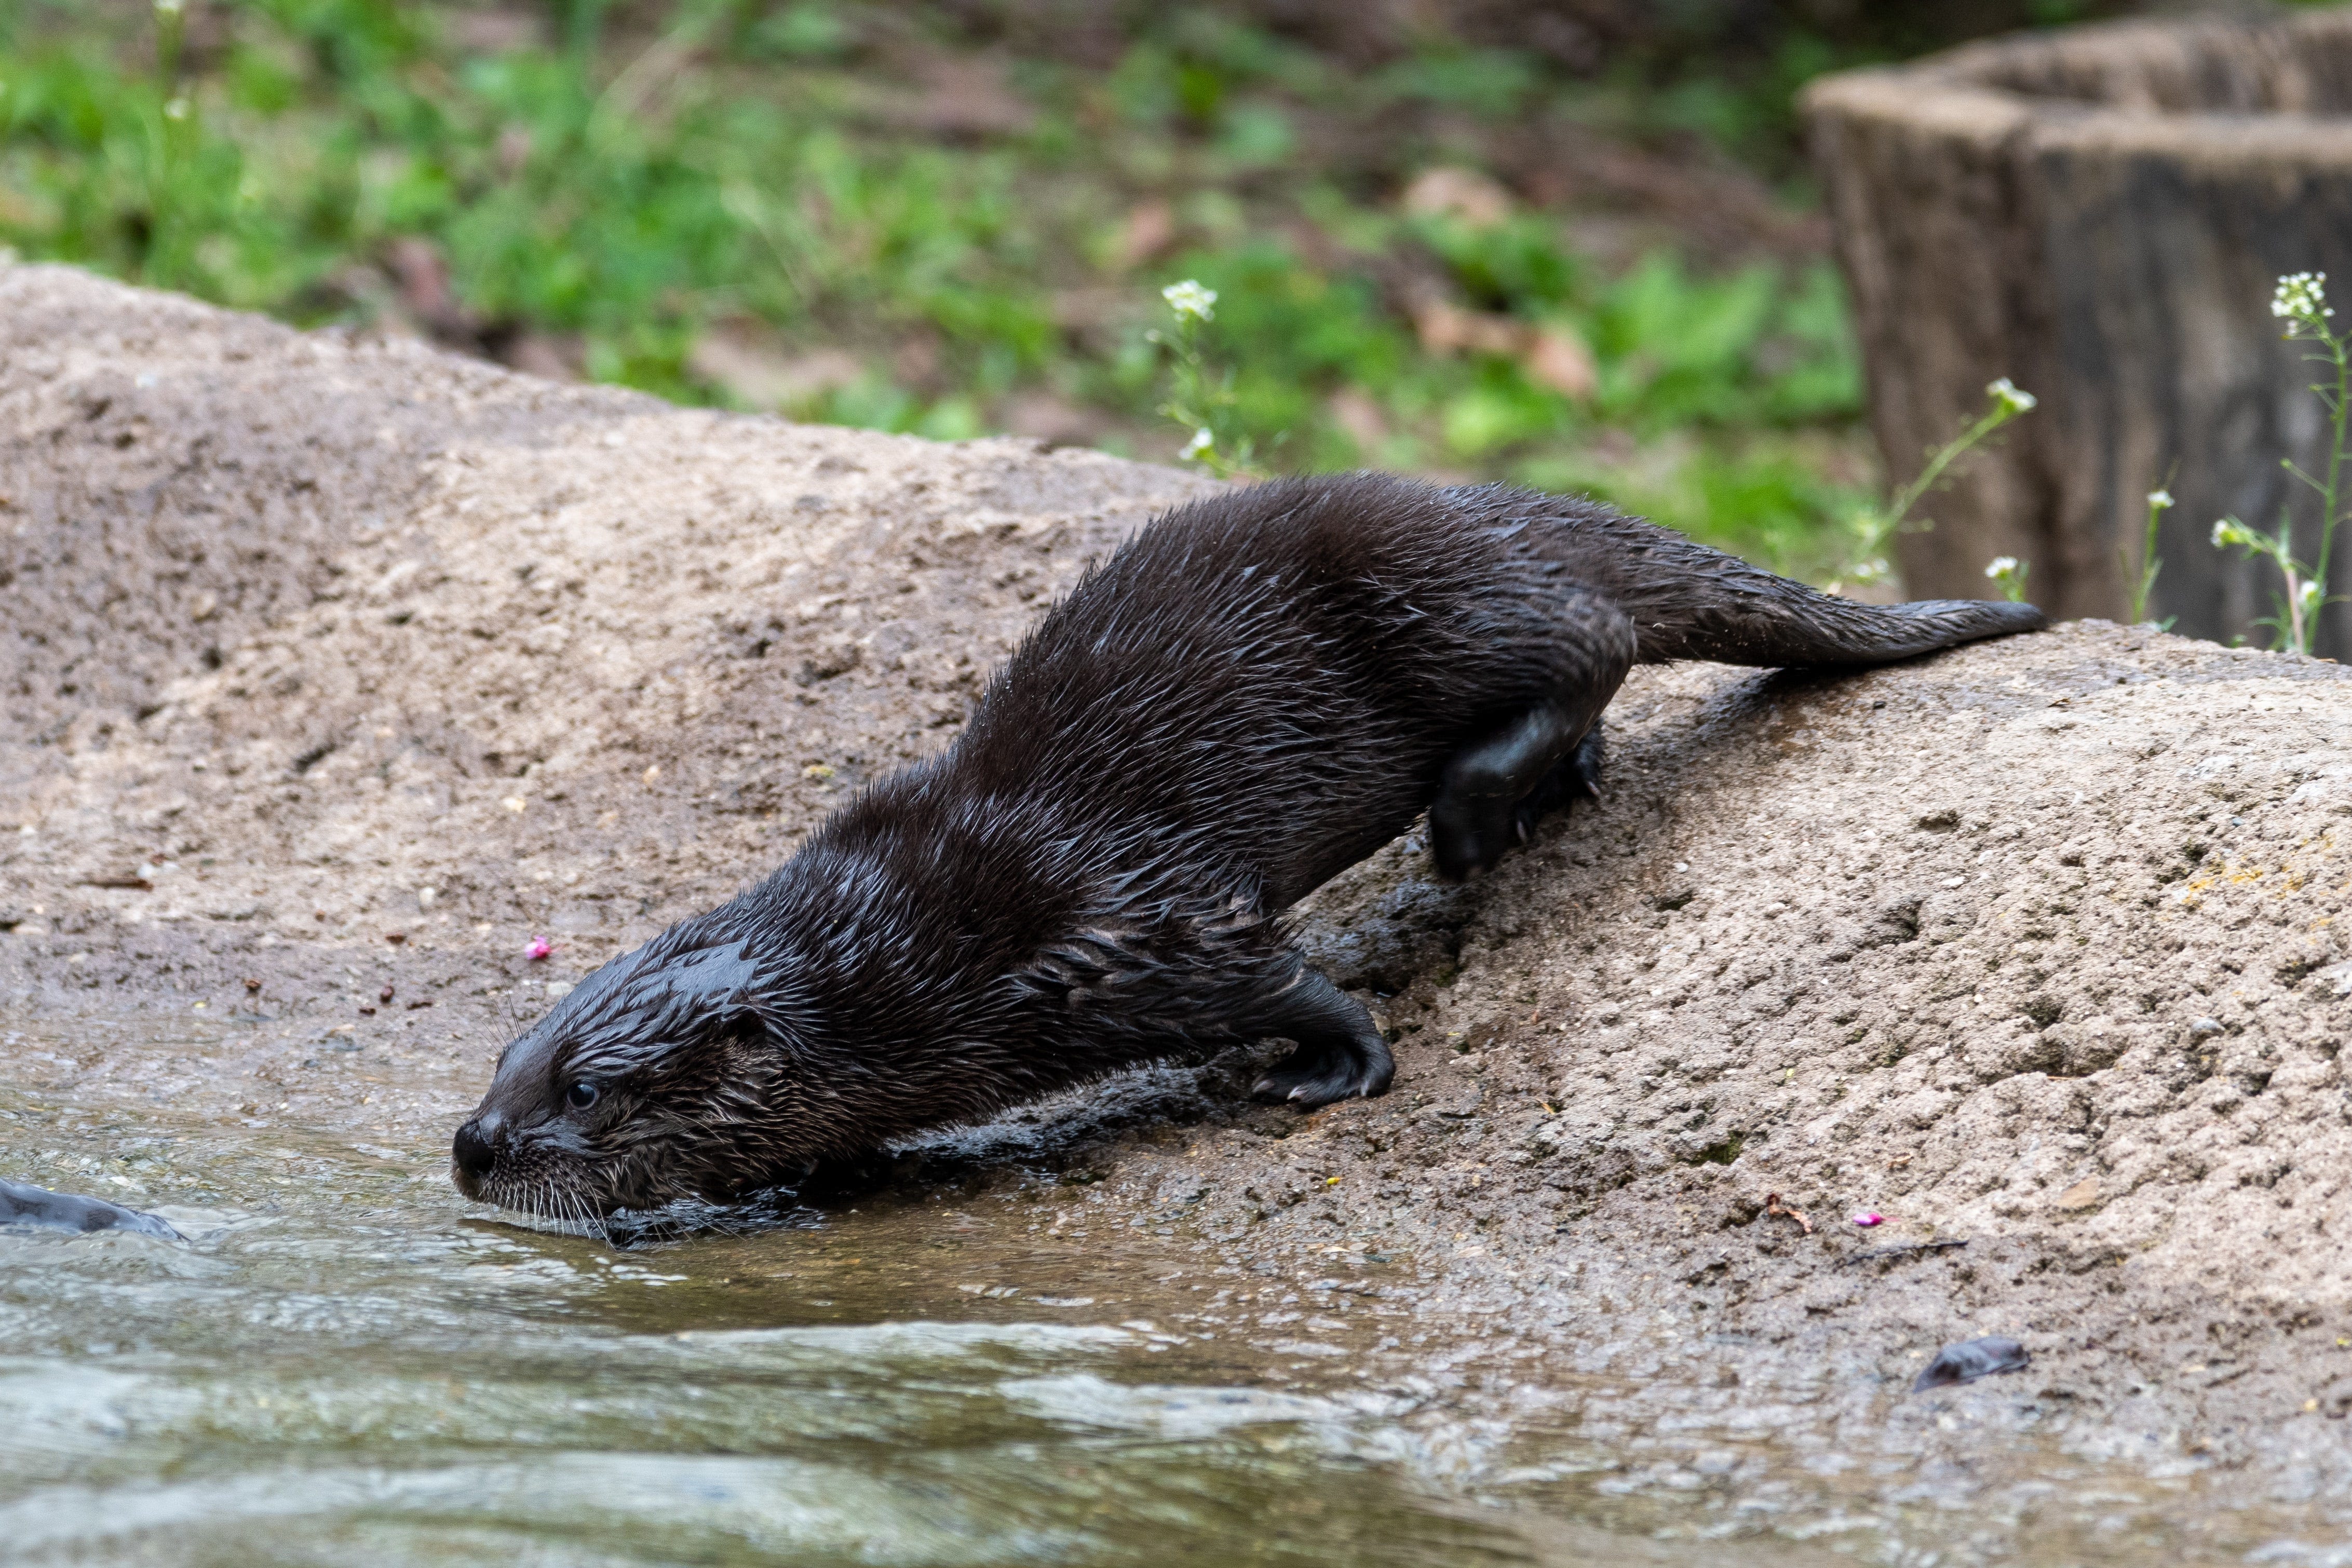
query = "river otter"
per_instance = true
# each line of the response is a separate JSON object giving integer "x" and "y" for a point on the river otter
{"x": 1255, "y": 691}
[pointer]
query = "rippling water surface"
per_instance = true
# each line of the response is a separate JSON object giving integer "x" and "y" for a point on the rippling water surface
{"x": 325, "y": 1385}
{"x": 347, "y": 1365}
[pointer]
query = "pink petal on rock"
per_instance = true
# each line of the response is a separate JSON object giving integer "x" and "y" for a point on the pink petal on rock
{"x": 539, "y": 948}
{"x": 1867, "y": 1220}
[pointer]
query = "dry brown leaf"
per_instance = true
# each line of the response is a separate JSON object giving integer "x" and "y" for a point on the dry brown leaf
{"x": 1463, "y": 193}
{"x": 1354, "y": 411}
{"x": 1446, "y": 328}
{"x": 2083, "y": 1194}
{"x": 1149, "y": 228}
{"x": 1557, "y": 358}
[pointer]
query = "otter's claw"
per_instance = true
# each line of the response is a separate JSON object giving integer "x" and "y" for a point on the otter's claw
{"x": 1339, "y": 1056}
{"x": 1308, "y": 1079}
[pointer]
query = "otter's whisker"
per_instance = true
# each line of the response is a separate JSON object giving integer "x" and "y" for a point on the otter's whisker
{"x": 580, "y": 1212}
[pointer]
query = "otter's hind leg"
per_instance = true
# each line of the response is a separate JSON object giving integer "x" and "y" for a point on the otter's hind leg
{"x": 1493, "y": 789}
{"x": 1474, "y": 818}
{"x": 1340, "y": 1052}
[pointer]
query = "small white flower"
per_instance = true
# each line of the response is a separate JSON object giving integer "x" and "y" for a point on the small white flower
{"x": 2225, "y": 532}
{"x": 2001, "y": 566}
{"x": 2302, "y": 298}
{"x": 2160, "y": 499}
{"x": 169, "y": 8}
{"x": 2005, "y": 393}
{"x": 176, "y": 110}
{"x": 2310, "y": 594}
{"x": 1203, "y": 440}
{"x": 1189, "y": 299}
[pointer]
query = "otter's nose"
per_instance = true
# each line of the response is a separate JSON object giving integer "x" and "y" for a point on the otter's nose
{"x": 471, "y": 1149}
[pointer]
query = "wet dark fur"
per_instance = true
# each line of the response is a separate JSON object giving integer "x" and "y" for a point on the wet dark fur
{"x": 1255, "y": 692}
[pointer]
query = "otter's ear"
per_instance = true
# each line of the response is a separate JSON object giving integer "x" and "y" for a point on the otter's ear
{"x": 741, "y": 1026}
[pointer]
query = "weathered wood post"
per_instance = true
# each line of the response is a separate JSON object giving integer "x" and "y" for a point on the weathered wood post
{"x": 2100, "y": 214}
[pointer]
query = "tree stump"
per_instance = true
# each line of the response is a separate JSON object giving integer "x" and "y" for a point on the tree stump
{"x": 2100, "y": 214}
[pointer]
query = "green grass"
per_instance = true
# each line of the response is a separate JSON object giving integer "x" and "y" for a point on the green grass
{"x": 621, "y": 186}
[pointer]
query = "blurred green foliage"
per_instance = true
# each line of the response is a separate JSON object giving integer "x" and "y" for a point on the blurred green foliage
{"x": 914, "y": 239}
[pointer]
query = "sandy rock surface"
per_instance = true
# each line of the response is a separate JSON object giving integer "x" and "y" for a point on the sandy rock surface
{"x": 336, "y": 667}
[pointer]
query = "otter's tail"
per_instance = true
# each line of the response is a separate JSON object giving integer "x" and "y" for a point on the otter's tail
{"x": 1795, "y": 625}
{"x": 1688, "y": 601}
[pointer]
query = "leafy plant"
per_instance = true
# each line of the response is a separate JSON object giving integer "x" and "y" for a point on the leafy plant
{"x": 618, "y": 189}
{"x": 1201, "y": 399}
{"x": 2301, "y": 301}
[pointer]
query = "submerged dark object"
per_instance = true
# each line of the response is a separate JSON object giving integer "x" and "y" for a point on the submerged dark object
{"x": 1252, "y": 694}
{"x": 21, "y": 1204}
{"x": 1970, "y": 1360}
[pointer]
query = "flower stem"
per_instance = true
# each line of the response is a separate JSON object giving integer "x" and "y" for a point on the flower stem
{"x": 1909, "y": 496}
{"x": 2343, "y": 407}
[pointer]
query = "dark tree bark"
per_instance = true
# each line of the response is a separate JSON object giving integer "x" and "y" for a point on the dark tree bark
{"x": 2101, "y": 215}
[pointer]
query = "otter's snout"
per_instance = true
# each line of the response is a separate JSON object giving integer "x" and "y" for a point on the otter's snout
{"x": 471, "y": 1152}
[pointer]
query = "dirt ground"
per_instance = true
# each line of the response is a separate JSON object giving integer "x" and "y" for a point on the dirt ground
{"x": 337, "y": 666}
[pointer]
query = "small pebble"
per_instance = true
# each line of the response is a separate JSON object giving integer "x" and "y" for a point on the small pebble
{"x": 1970, "y": 1360}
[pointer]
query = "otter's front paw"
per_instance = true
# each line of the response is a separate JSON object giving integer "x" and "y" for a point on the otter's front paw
{"x": 1310, "y": 1077}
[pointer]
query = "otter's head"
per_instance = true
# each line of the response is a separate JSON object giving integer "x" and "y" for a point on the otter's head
{"x": 667, "y": 1074}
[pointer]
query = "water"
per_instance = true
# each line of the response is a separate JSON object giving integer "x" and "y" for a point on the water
{"x": 349, "y": 1364}
{"x": 330, "y": 1385}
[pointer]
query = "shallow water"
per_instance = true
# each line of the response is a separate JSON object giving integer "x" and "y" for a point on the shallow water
{"x": 336, "y": 1383}
{"x": 347, "y": 1363}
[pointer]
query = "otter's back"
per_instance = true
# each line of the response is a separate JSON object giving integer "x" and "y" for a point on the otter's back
{"x": 1263, "y": 684}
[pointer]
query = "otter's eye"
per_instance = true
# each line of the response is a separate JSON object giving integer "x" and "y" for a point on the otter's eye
{"x": 581, "y": 1095}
